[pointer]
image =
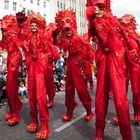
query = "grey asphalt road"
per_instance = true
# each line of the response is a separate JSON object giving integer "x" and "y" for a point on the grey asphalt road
{"x": 77, "y": 129}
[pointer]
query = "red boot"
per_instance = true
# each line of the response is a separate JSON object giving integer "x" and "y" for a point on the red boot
{"x": 68, "y": 116}
{"x": 115, "y": 120}
{"x": 43, "y": 134}
{"x": 50, "y": 103}
{"x": 137, "y": 120}
{"x": 89, "y": 116}
{"x": 32, "y": 127}
{"x": 8, "y": 116}
{"x": 44, "y": 130}
{"x": 13, "y": 121}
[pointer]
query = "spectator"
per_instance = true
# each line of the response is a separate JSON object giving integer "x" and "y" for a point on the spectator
{"x": 60, "y": 64}
{"x": 2, "y": 77}
{"x": 23, "y": 90}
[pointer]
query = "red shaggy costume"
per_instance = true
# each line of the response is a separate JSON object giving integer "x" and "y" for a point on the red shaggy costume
{"x": 79, "y": 51}
{"x": 35, "y": 48}
{"x": 133, "y": 44}
{"x": 111, "y": 68}
{"x": 53, "y": 59}
{"x": 9, "y": 43}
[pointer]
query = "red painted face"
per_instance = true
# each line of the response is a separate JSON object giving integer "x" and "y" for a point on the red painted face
{"x": 66, "y": 22}
{"x": 67, "y": 26}
{"x": 128, "y": 20}
{"x": 33, "y": 27}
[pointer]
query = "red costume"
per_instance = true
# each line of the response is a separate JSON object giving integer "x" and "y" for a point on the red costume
{"x": 14, "y": 59}
{"x": 54, "y": 56}
{"x": 35, "y": 48}
{"x": 111, "y": 68}
{"x": 88, "y": 69}
{"x": 79, "y": 51}
{"x": 132, "y": 47}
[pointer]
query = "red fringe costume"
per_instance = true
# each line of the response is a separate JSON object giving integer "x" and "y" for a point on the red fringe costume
{"x": 133, "y": 43}
{"x": 79, "y": 51}
{"x": 111, "y": 68}
{"x": 37, "y": 57}
{"x": 88, "y": 70}
{"x": 53, "y": 51}
{"x": 9, "y": 43}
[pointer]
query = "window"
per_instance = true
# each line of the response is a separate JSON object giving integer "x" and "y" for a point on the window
{"x": 58, "y": 4}
{"x": 24, "y": 9}
{"x": 6, "y": 4}
{"x": 14, "y": 6}
{"x": 64, "y": 6}
{"x": 45, "y": 16}
{"x": 61, "y": 5}
{"x": 31, "y": 1}
{"x": 38, "y": 2}
{"x": 44, "y": 4}
{"x": 38, "y": 13}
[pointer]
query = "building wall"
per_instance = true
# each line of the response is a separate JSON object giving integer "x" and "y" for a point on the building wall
{"x": 49, "y": 11}
{"x": 25, "y": 5}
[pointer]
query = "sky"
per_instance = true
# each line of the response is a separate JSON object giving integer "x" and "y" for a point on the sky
{"x": 121, "y": 7}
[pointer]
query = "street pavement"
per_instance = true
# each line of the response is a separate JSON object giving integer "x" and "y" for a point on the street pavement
{"x": 77, "y": 129}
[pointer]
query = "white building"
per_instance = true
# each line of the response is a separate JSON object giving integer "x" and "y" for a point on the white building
{"x": 12, "y": 6}
{"x": 46, "y": 8}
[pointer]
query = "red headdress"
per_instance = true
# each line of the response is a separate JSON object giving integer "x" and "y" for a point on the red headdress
{"x": 8, "y": 21}
{"x": 66, "y": 18}
{"x": 51, "y": 26}
{"x": 50, "y": 30}
{"x": 9, "y": 24}
{"x": 32, "y": 17}
{"x": 129, "y": 21}
{"x": 102, "y": 4}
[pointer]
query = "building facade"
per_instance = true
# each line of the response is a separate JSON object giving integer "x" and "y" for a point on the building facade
{"x": 12, "y": 6}
{"x": 47, "y": 8}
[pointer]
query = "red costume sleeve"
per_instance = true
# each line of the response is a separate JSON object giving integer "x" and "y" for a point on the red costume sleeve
{"x": 55, "y": 52}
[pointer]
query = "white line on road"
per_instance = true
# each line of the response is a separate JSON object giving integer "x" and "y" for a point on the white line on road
{"x": 70, "y": 123}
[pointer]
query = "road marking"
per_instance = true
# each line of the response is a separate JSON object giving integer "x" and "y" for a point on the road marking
{"x": 71, "y": 122}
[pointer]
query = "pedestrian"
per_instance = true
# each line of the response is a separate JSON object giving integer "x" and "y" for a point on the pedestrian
{"x": 54, "y": 57}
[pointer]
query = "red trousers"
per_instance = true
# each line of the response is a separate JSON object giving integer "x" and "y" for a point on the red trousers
{"x": 13, "y": 62}
{"x": 134, "y": 75}
{"x": 75, "y": 79}
{"x": 111, "y": 71}
{"x": 50, "y": 82}
{"x": 37, "y": 91}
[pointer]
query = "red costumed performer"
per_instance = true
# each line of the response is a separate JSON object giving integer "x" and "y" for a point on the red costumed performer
{"x": 88, "y": 69}
{"x": 36, "y": 63}
{"x": 9, "y": 43}
{"x": 54, "y": 56}
{"x": 133, "y": 44}
{"x": 111, "y": 68}
{"x": 78, "y": 52}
